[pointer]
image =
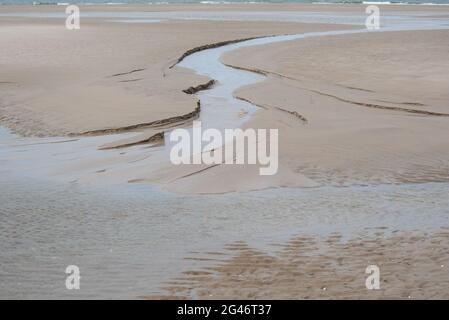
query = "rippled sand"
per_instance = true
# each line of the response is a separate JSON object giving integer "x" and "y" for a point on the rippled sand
{"x": 412, "y": 265}
{"x": 130, "y": 241}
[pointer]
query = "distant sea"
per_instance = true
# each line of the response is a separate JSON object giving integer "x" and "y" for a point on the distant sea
{"x": 115, "y": 2}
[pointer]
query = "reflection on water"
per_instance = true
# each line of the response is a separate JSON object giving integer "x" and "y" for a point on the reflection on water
{"x": 128, "y": 239}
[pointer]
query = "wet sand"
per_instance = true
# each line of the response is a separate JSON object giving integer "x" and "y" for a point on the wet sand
{"x": 374, "y": 113}
{"x": 412, "y": 265}
{"x": 131, "y": 241}
{"x": 352, "y": 110}
{"x": 57, "y": 82}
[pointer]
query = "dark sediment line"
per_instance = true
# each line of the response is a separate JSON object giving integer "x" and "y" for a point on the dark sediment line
{"x": 359, "y": 89}
{"x": 131, "y": 80}
{"x": 258, "y": 71}
{"x": 154, "y": 124}
{"x": 201, "y": 87}
{"x": 368, "y": 105}
{"x": 377, "y": 106}
{"x": 211, "y": 46}
{"x": 43, "y": 143}
{"x": 126, "y": 73}
{"x": 416, "y": 104}
{"x": 154, "y": 138}
{"x": 266, "y": 107}
{"x": 196, "y": 172}
{"x": 293, "y": 113}
{"x": 413, "y": 104}
{"x": 249, "y": 101}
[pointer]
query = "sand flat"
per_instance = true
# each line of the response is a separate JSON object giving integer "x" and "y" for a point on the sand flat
{"x": 351, "y": 109}
{"x": 59, "y": 82}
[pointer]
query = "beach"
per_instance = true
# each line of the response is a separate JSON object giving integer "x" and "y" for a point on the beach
{"x": 304, "y": 268}
{"x": 363, "y": 165}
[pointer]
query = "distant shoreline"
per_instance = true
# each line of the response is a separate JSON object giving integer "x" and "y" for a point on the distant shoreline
{"x": 202, "y": 2}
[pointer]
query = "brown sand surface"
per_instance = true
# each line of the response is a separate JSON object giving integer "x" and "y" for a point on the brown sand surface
{"x": 376, "y": 113}
{"x": 107, "y": 74}
{"x": 352, "y": 109}
{"x": 356, "y": 109}
{"x": 412, "y": 265}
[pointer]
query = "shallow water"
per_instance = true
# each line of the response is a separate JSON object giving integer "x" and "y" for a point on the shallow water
{"x": 127, "y": 240}
{"x": 387, "y": 19}
{"x": 212, "y": 2}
